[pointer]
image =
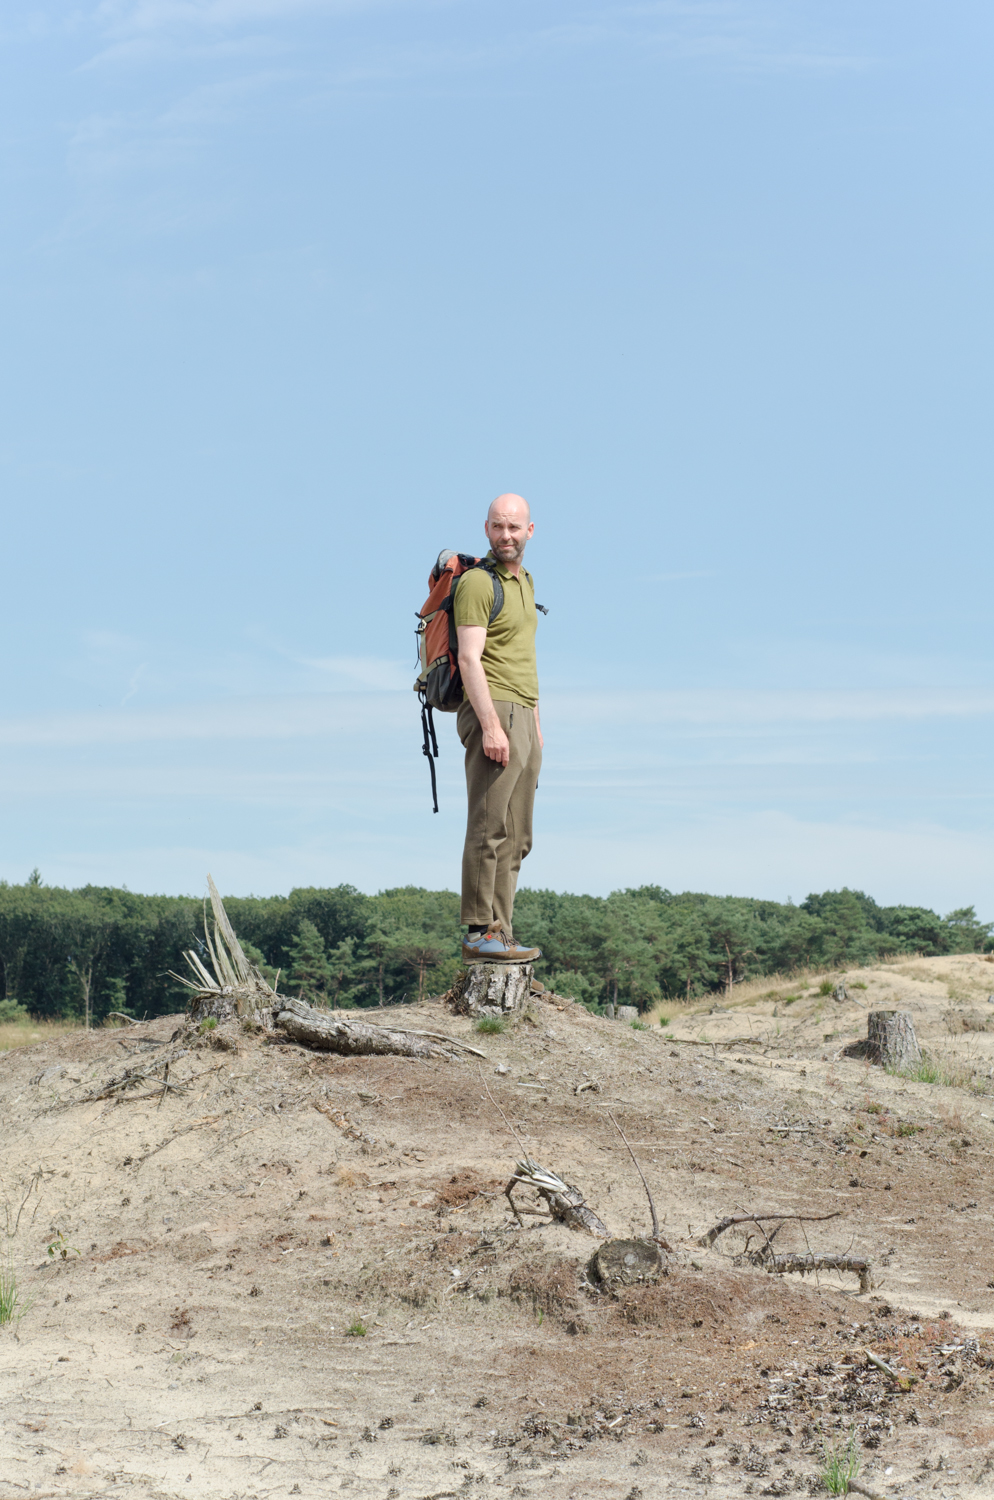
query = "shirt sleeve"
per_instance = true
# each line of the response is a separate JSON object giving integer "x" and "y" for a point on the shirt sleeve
{"x": 474, "y": 598}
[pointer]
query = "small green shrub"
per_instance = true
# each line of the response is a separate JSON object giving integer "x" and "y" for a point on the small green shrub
{"x": 13, "y": 1010}
{"x": 790, "y": 999}
{"x": 356, "y": 1330}
{"x": 664, "y": 1020}
{"x": 858, "y": 985}
{"x": 906, "y": 1128}
{"x": 874, "y": 1109}
{"x": 10, "y": 1297}
{"x": 207, "y": 1024}
{"x": 826, "y": 987}
{"x": 490, "y": 1026}
{"x": 60, "y": 1248}
{"x": 841, "y": 1466}
{"x": 639, "y": 1026}
{"x": 926, "y": 1071}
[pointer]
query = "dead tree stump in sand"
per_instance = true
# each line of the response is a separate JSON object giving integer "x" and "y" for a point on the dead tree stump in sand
{"x": 490, "y": 990}
{"x": 890, "y": 1041}
{"x": 626, "y": 1262}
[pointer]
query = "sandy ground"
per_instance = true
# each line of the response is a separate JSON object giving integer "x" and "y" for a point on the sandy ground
{"x": 222, "y": 1242}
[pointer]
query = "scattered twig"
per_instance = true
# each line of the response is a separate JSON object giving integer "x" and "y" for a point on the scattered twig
{"x": 708, "y": 1239}
{"x": 904, "y": 1381}
{"x": 503, "y": 1116}
{"x": 196, "y": 1125}
{"x": 119, "y": 1015}
{"x": 855, "y": 1488}
{"x": 631, "y": 1153}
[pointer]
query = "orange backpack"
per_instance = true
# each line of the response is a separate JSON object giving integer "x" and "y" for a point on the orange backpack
{"x": 439, "y": 683}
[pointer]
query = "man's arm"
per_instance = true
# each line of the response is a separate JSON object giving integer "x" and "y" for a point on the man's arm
{"x": 472, "y": 639}
{"x": 538, "y": 726}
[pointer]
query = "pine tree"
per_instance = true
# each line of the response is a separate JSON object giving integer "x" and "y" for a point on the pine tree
{"x": 310, "y": 972}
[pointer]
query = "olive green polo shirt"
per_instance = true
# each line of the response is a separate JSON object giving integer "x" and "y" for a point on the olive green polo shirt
{"x": 509, "y": 652}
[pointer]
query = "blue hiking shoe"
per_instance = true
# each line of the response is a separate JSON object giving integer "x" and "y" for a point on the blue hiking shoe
{"x": 495, "y": 947}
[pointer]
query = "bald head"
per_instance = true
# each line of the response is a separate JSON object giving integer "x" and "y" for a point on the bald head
{"x": 505, "y": 504}
{"x": 508, "y": 527}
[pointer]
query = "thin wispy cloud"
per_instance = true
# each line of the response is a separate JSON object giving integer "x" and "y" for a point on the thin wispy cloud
{"x": 389, "y": 706}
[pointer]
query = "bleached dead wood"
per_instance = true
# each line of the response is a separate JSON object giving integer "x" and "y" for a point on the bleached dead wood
{"x": 490, "y": 990}
{"x": 237, "y": 990}
{"x": 330, "y": 1031}
{"x": 566, "y": 1203}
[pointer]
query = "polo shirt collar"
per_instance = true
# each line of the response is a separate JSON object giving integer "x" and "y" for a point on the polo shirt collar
{"x": 502, "y": 571}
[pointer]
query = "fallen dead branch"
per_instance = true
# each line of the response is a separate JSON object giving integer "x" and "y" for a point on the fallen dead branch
{"x": 345, "y": 1125}
{"x": 133, "y": 1076}
{"x": 195, "y": 1125}
{"x": 566, "y": 1203}
{"x": 904, "y": 1382}
{"x": 329, "y": 1031}
{"x": 237, "y": 990}
{"x": 707, "y": 1240}
{"x": 808, "y": 1263}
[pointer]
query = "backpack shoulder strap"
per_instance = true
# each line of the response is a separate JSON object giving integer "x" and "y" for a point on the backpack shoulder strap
{"x": 498, "y": 603}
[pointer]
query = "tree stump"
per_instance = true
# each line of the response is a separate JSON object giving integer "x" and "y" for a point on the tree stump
{"x": 249, "y": 1003}
{"x": 840, "y": 992}
{"x": 891, "y": 1040}
{"x": 627, "y": 1012}
{"x": 626, "y": 1262}
{"x": 490, "y": 990}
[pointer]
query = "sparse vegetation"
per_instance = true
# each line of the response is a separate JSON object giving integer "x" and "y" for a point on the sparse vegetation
{"x": 842, "y": 1464}
{"x": 490, "y": 1026}
{"x": 639, "y": 1026}
{"x": 826, "y": 987}
{"x": 60, "y": 1248}
{"x": 207, "y": 1024}
{"x": 11, "y": 1303}
{"x": 356, "y": 1330}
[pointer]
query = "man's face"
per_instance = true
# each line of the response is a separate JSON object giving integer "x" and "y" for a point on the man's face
{"x": 508, "y": 528}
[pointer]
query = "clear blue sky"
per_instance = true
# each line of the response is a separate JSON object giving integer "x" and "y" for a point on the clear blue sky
{"x": 291, "y": 290}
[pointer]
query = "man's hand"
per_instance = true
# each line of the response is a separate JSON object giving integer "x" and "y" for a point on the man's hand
{"x": 495, "y": 742}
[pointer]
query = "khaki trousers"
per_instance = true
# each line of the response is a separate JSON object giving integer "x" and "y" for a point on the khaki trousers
{"x": 499, "y": 824}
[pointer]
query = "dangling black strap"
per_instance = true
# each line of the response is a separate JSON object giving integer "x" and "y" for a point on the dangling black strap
{"x": 430, "y": 747}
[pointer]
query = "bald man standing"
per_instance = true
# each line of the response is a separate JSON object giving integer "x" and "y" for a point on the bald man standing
{"x": 500, "y": 731}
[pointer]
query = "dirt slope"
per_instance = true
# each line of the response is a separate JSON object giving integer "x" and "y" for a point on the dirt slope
{"x": 221, "y": 1243}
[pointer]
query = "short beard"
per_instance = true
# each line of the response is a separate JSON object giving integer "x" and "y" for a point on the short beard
{"x": 515, "y": 556}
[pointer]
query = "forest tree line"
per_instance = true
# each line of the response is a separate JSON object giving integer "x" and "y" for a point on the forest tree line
{"x": 71, "y": 953}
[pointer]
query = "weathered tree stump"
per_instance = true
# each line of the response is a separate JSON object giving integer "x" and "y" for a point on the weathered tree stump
{"x": 626, "y": 1262}
{"x": 627, "y": 1012}
{"x": 490, "y": 990}
{"x": 840, "y": 992}
{"x": 890, "y": 1041}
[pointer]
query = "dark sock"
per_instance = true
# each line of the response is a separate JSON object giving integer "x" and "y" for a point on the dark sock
{"x": 474, "y": 934}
